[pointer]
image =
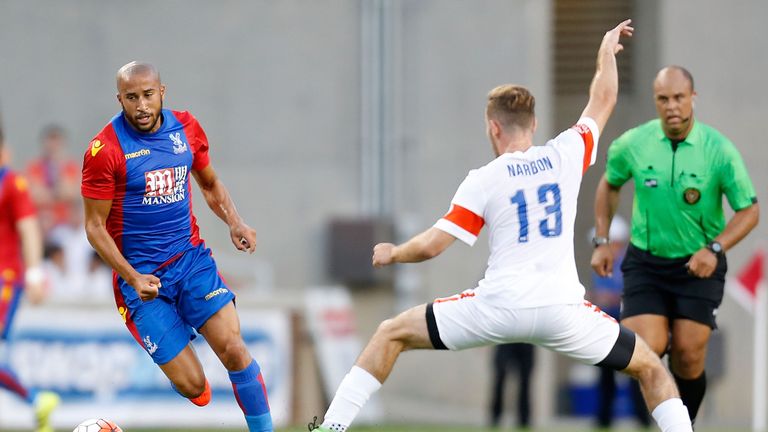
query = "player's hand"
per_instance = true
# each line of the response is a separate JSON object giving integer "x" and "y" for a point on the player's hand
{"x": 147, "y": 286}
{"x": 243, "y": 237}
{"x": 611, "y": 40}
{"x": 382, "y": 254}
{"x": 702, "y": 264}
{"x": 36, "y": 292}
{"x": 602, "y": 261}
{"x": 35, "y": 285}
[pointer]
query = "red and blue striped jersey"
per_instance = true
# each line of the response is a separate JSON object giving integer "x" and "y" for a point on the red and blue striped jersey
{"x": 15, "y": 205}
{"x": 147, "y": 177}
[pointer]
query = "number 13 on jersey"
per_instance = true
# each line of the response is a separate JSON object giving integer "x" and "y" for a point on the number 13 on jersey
{"x": 549, "y": 195}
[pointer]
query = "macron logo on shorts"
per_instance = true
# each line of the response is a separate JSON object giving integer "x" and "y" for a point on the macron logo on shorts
{"x": 213, "y": 294}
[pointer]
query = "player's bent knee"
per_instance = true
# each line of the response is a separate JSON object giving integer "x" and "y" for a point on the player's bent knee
{"x": 235, "y": 355}
{"x": 687, "y": 364}
{"x": 645, "y": 366}
{"x": 688, "y": 357}
{"x": 394, "y": 330}
{"x": 191, "y": 388}
{"x": 204, "y": 397}
{"x": 389, "y": 329}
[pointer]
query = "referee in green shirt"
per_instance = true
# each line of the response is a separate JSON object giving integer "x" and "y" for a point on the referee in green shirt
{"x": 674, "y": 269}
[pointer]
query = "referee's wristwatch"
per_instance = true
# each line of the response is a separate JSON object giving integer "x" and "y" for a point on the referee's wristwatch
{"x": 715, "y": 247}
{"x": 599, "y": 241}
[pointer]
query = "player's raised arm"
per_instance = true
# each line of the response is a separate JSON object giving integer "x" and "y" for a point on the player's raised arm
{"x": 421, "y": 247}
{"x": 603, "y": 92}
{"x": 96, "y": 213}
{"x": 219, "y": 200}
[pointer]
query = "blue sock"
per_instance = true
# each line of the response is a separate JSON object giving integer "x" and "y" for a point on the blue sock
{"x": 260, "y": 423}
{"x": 251, "y": 395}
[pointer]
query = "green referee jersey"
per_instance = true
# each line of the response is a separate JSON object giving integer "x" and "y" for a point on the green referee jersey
{"x": 678, "y": 205}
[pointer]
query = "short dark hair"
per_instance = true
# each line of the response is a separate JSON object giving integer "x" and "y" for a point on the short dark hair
{"x": 51, "y": 248}
{"x": 686, "y": 73}
{"x": 511, "y": 105}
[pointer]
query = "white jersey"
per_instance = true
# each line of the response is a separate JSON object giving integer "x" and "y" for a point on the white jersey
{"x": 528, "y": 200}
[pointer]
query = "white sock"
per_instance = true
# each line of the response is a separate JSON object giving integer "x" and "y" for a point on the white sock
{"x": 353, "y": 392}
{"x": 672, "y": 416}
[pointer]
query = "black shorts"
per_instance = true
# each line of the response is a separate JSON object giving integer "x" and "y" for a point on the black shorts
{"x": 663, "y": 286}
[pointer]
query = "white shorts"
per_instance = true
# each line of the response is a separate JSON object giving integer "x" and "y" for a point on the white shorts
{"x": 580, "y": 331}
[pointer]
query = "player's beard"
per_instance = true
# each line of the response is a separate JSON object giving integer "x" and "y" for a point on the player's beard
{"x": 150, "y": 127}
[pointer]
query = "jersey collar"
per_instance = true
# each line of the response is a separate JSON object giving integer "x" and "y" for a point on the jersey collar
{"x": 693, "y": 138}
{"x": 164, "y": 113}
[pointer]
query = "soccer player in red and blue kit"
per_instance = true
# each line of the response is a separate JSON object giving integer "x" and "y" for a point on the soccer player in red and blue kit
{"x": 21, "y": 246}
{"x": 138, "y": 216}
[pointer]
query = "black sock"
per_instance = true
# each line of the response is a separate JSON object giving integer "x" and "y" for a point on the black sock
{"x": 692, "y": 392}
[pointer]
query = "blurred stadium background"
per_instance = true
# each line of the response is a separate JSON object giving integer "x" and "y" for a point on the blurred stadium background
{"x": 336, "y": 124}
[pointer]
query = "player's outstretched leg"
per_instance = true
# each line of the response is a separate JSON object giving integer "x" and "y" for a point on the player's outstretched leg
{"x": 43, "y": 402}
{"x": 658, "y": 387}
{"x": 222, "y": 331}
{"x": 10, "y": 382}
{"x": 404, "y": 332}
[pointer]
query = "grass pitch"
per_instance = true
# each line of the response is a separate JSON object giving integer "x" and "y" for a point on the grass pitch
{"x": 432, "y": 428}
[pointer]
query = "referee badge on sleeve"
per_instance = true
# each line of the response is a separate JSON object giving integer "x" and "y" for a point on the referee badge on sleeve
{"x": 692, "y": 195}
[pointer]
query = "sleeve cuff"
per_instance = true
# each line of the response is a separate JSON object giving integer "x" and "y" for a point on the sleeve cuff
{"x": 614, "y": 181}
{"x": 456, "y": 231}
{"x": 592, "y": 125}
{"x": 96, "y": 194}
{"x": 201, "y": 164}
{"x": 745, "y": 204}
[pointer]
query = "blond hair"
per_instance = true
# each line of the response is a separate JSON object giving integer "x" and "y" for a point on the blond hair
{"x": 511, "y": 106}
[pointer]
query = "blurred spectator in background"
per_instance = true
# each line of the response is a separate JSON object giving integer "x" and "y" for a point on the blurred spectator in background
{"x": 606, "y": 294}
{"x": 507, "y": 356}
{"x": 88, "y": 279}
{"x": 74, "y": 272}
{"x": 55, "y": 266}
{"x": 55, "y": 188}
{"x": 21, "y": 247}
{"x": 54, "y": 180}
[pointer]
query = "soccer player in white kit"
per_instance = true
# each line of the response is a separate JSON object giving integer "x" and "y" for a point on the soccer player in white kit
{"x": 531, "y": 291}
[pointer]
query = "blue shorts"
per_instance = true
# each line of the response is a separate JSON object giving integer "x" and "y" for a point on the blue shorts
{"x": 192, "y": 291}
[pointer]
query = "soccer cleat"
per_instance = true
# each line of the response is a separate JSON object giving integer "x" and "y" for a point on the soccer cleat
{"x": 313, "y": 427}
{"x": 45, "y": 402}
